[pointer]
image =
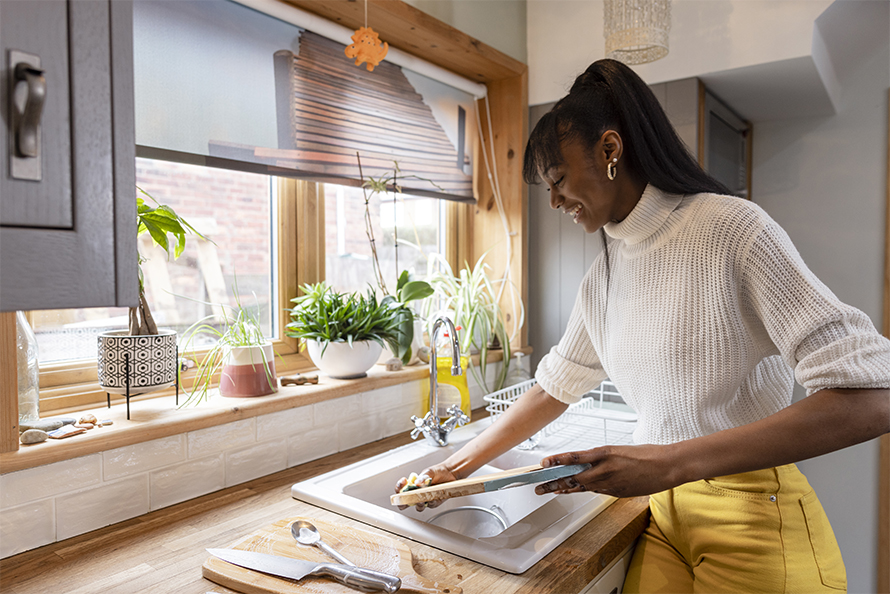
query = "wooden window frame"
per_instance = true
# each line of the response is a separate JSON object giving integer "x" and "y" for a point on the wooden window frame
{"x": 473, "y": 229}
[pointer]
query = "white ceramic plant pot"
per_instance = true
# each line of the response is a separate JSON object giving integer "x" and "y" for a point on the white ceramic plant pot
{"x": 342, "y": 361}
{"x": 248, "y": 372}
{"x": 151, "y": 361}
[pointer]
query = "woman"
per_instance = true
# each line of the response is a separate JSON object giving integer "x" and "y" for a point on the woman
{"x": 702, "y": 313}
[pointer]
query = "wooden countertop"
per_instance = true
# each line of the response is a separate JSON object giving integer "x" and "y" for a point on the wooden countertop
{"x": 163, "y": 551}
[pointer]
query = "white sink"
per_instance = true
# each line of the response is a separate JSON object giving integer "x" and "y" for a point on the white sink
{"x": 513, "y": 530}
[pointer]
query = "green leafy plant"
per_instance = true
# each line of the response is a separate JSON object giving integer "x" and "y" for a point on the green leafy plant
{"x": 167, "y": 230}
{"x": 407, "y": 290}
{"x": 240, "y": 328}
{"x": 325, "y": 315}
{"x": 473, "y": 302}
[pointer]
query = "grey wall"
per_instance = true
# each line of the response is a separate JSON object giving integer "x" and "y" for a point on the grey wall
{"x": 824, "y": 180}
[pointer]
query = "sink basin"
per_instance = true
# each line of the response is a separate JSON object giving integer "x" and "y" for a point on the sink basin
{"x": 509, "y": 530}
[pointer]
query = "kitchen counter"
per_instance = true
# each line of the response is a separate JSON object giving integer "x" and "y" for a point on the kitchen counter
{"x": 163, "y": 551}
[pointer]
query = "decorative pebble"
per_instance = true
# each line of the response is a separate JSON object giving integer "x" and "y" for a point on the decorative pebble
{"x": 41, "y": 425}
{"x": 88, "y": 419}
{"x": 34, "y": 436}
{"x": 84, "y": 425}
{"x": 66, "y": 431}
{"x": 393, "y": 364}
{"x": 67, "y": 420}
{"x": 423, "y": 353}
{"x": 105, "y": 422}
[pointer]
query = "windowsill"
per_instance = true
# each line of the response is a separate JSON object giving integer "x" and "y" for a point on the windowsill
{"x": 155, "y": 418}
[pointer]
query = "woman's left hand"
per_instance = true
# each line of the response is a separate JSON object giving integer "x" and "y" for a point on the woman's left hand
{"x": 619, "y": 471}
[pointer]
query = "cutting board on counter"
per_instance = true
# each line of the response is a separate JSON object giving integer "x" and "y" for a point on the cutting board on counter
{"x": 374, "y": 551}
{"x": 526, "y": 475}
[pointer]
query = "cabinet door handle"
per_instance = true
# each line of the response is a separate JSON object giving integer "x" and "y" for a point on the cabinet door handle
{"x": 27, "y": 136}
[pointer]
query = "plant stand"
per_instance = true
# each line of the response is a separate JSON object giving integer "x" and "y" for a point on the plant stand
{"x": 127, "y": 383}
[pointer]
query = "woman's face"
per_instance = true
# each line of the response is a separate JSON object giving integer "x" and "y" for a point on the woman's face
{"x": 580, "y": 187}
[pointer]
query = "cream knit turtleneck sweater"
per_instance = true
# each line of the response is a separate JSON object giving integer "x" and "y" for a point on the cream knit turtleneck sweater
{"x": 706, "y": 311}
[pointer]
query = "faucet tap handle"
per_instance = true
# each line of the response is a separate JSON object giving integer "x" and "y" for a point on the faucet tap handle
{"x": 458, "y": 416}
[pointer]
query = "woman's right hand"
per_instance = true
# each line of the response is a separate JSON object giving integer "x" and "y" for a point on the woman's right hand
{"x": 438, "y": 473}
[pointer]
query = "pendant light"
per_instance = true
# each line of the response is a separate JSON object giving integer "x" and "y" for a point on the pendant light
{"x": 637, "y": 30}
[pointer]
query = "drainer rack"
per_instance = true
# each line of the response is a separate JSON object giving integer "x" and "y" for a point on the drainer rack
{"x": 595, "y": 419}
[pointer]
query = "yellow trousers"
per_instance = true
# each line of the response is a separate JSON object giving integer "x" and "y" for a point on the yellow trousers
{"x": 762, "y": 531}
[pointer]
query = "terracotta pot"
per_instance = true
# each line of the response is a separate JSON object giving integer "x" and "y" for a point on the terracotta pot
{"x": 151, "y": 361}
{"x": 342, "y": 361}
{"x": 249, "y": 372}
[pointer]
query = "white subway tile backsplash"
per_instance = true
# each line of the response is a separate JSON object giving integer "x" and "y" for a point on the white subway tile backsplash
{"x": 57, "y": 501}
{"x": 330, "y": 412}
{"x": 27, "y": 527}
{"x": 361, "y": 431}
{"x": 187, "y": 480}
{"x": 212, "y": 440}
{"x": 100, "y": 506}
{"x": 286, "y": 423}
{"x": 380, "y": 399}
{"x": 46, "y": 481}
{"x": 142, "y": 457}
{"x": 312, "y": 445}
{"x": 256, "y": 461}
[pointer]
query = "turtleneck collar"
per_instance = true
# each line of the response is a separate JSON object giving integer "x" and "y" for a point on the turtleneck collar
{"x": 647, "y": 218}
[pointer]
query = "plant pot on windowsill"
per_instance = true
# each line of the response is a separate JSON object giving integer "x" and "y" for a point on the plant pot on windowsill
{"x": 136, "y": 364}
{"x": 249, "y": 371}
{"x": 340, "y": 360}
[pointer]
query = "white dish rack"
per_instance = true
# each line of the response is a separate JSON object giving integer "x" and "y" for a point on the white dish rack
{"x": 593, "y": 420}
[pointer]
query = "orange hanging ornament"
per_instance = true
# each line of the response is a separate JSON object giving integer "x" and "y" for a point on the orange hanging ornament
{"x": 366, "y": 47}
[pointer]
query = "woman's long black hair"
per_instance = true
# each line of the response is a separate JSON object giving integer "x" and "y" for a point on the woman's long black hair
{"x": 611, "y": 96}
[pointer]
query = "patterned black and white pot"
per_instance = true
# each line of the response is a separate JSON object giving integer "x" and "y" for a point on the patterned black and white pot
{"x": 151, "y": 360}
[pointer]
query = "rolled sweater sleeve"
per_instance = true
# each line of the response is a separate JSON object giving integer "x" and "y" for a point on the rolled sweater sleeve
{"x": 828, "y": 343}
{"x": 572, "y": 368}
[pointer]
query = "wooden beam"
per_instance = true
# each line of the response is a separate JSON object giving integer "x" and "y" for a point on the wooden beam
{"x": 508, "y": 101}
{"x": 414, "y": 32}
{"x": 9, "y": 397}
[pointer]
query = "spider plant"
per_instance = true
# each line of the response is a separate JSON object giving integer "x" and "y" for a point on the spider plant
{"x": 240, "y": 328}
{"x": 472, "y": 298}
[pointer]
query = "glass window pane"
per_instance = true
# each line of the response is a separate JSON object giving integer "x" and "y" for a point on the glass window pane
{"x": 235, "y": 211}
{"x": 406, "y": 230}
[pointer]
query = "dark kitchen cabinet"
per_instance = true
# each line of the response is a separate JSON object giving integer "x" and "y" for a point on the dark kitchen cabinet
{"x": 67, "y": 189}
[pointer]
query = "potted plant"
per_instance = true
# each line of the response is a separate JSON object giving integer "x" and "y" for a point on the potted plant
{"x": 407, "y": 289}
{"x": 344, "y": 333}
{"x": 472, "y": 303}
{"x": 144, "y": 358}
{"x": 410, "y": 328}
{"x": 241, "y": 356}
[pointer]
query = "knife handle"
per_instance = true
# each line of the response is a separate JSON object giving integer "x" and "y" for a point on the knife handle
{"x": 366, "y": 580}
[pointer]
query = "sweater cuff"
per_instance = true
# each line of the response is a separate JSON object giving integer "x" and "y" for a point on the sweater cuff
{"x": 566, "y": 380}
{"x": 855, "y": 361}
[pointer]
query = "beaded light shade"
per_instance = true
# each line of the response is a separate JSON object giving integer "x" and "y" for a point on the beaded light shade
{"x": 637, "y": 30}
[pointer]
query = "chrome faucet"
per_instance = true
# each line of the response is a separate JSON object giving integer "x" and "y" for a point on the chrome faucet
{"x": 435, "y": 430}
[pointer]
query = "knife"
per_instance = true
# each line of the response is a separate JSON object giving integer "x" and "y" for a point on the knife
{"x": 535, "y": 476}
{"x": 366, "y": 580}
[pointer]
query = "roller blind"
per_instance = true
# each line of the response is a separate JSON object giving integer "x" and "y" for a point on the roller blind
{"x": 221, "y": 84}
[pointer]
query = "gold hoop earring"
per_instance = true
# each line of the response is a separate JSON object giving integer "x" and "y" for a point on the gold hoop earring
{"x": 612, "y": 169}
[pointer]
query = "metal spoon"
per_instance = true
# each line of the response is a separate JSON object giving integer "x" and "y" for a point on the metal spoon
{"x": 306, "y": 533}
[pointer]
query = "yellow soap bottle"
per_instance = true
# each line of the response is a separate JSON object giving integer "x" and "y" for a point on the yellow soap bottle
{"x": 453, "y": 389}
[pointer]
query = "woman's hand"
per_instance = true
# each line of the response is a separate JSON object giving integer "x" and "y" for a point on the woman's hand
{"x": 619, "y": 471}
{"x": 438, "y": 473}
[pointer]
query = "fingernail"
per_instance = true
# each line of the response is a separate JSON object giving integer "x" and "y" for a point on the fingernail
{"x": 545, "y": 463}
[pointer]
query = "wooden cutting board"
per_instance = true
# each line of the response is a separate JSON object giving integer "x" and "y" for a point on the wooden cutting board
{"x": 374, "y": 551}
{"x": 458, "y": 488}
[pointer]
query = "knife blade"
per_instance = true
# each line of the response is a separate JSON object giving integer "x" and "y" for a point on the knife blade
{"x": 366, "y": 580}
{"x": 536, "y": 476}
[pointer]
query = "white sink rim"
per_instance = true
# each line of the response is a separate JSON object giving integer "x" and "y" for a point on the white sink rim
{"x": 514, "y": 550}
